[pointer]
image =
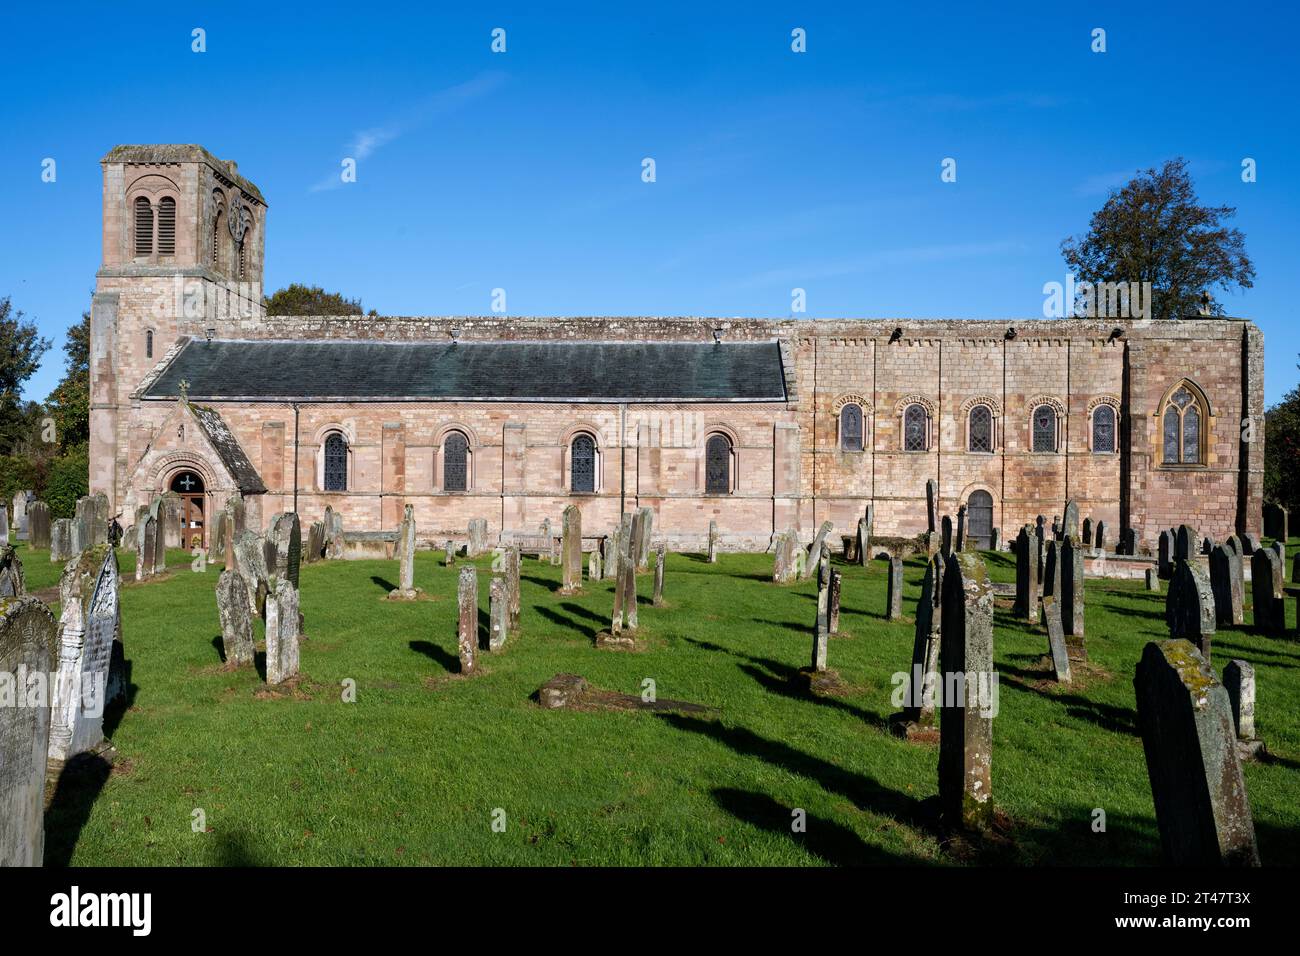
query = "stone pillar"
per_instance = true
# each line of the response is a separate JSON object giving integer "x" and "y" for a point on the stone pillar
{"x": 894, "y": 590}
{"x": 660, "y": 556}
{"x": 1185, "y": 719}
{"x": 467, "y": 621}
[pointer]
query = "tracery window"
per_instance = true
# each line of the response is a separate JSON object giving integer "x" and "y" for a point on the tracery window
{"x": 1183, "y": 423}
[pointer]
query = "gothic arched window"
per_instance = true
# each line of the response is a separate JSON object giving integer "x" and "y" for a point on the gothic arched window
{"x": 336, "y": 462}
{"x": 717, "y": 465}
{"x": 455, "y": 462}
{"x": 980, "y": 434}
{"x": 1103, "y": 429}
{"x": 851, "y": 427}
{"x": 143, "y": 227}
{"x": 1182, "y": 428}
{"x": 582, "y": 464}
{"x": 916, "y": 428}
{"x": 1044, "y": 428}
{"x": 167, "y": 226}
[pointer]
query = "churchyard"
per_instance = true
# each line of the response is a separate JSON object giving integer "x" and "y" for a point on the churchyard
{"x": 382, "y": 751}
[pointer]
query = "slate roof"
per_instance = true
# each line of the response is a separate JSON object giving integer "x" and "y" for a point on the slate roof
{"x": 227, "y": 446}
{"x": 240, "y": 370}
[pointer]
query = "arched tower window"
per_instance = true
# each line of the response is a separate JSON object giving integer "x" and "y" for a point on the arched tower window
{"x": 1103, "y": 429}
{"x": 1044, "y": 428}
{"x": 717, "y": 465}
{"x": 143, "y": 227}
{"x": 916, "y": 428}
{"x": 582, "y": 464}
{"x": 148, "y": 344}
{"x": 336, "y": 462}
{"x": 455, "y": 462}
{"x": 980, "y": 429}
{"x": 216, "y": 239}
{"x": 167, "y": 226}
{"x": 1183, "y": 428}
{"x": 851, "y": 427}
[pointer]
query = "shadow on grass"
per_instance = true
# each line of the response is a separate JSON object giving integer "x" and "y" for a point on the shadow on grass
{"x": 824, "y": 838}
{"x": 1120, "y": 720}
{"x": 555, "y": 617}
{"x": 78, "y": 786}
{"x": 450, "y": 662}
{"x": 547, "y": 583}
{"x": 114, "y": 711}
{"x": 384, "y": 583}
{"x": 232, "y": 849}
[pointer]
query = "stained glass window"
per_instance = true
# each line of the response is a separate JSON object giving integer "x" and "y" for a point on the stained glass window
{"x": 1181, "y": 426}
{"x": 336, "y": 463}
{"x": 1103, "y": 429}
{"x": 915, "y": 428}
{"x": 1191, "y": 435}
{"x": 455, "y": 462}
{"x": 1044, "y": 428}
{"x": 717, "y": 465}
{"x": 1171, "y": 435}
{"x": 851, "y": 428}
{"x": 981, "y": 429}
{"x": 582, "y": 464}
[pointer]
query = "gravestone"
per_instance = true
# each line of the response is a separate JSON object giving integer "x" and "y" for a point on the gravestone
{"x": 13, "y": 583}
{"x": 1087, "y": 532}
{"x": 966, "y": 726}
{"x": 234, "y": 610}
{"x": 815, "y": 549}
{"x": 571, "y": 551}
{"x": 1226, "y": 585}
{"x": 647, "y": 516}
{"x": 995, "y": 540}
{"x": 945, "y": 540}
{"x": 626, "y": 584}
{"x": 1266, "y": 592}
{"x": 1189, "y": 606}
{"x": 498, "y": 613}
{"x": 1052, "y": 573}
{"x": 315, "y": 542}
{"x": 217, "y": 537}
{"x": 822, "y": 627}
{"x": 1072, "y": 596}
{"x": 918, "y": 712}
{"x": 1185, "y": 719}
{"x": 1280, "y": 548}
{"x": 1128, "y": 542}
{"x": 1056, "y": 528}
{"x": 512, "y": 580}
{"x": 932, "y": 505}
{"x": 1040, "y": 532}
{"x": 4, "y": 524}
{"x": 406, "y": 589}
{"x": 28, "y": 652}
{"x": 1165, "y": 555}
{"x": 288, "y": 545}
{"x": 1153, "y": 579}
{"x": 961, "y": 528}
{"x": 448, "y": 554}
{"x": 1101, "y": 536}
{"x": 864, "y": 542}
{"x": 894, "y": 590}
{"x": 658, "y": 598}
{"x": 1187, "y": 543}
{"x": 784, "y": 569}
{"x": 1276, "y": 521}
{"x": 333, "y": 533}
{"x": 250, "y": 562}
{"x": 1027, "y": 576}
{"x": 1239, "y": 681}
{"x": 593, "y": 565}
{"x": 833, "y": 600}
{"x": 61, "y": 540}
{"x": 271, "y": 555}
{"x": 38, "y": 525}
{"x": 1249, "y": 543}
{"x": 281, "y": 631}
{"x": 1056, "y": 639}
{"x": 146, "y": 546}
{"x": 1070, "y": 524}
{"x": 88, "y": 624}
{"x": 478, "y": 533}
{"x": 18, "y": 515}
{"x": 713, "y": 542}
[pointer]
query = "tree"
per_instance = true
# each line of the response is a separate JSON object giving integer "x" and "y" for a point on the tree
{"x": 1153, "y": 230}
{"x": 21, "y": 348}
{"x": 69, "y": 403}
{"x": 1282, "y": 451}
{"x": 298, "y": 299}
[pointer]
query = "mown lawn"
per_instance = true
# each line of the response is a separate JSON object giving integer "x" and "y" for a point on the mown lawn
{"x": 413, "y": 771}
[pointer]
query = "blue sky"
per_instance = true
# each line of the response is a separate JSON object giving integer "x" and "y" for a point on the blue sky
{"x": 774, "y": 170}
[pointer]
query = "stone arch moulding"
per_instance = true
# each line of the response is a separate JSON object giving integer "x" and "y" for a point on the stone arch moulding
{"x": 901, "y": 405}
{"x": 154, "y": 186}
{"x": 1196, "y": 390}
{"x": 1100, "y": 400}
{"x": 347, "y": 428}
{"x": 444, "y": 430}
{"x": 988, "y": 400}
{"x": 439, "y": 457}
{"x": 1055, "y": 404}
{"x": 851, "y": 398}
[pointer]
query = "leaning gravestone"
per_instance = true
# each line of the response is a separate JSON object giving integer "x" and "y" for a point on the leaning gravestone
{"x": 467, "y": 619}
{"x": 1225, "y": 583}
{"x": 894, "y": 590}
{"x": 966, "y": 725}
{"x": 1056, "y": 639}
{"x": 38, "y": 525}
{"x": 815, "y": 549}
{"x": 281, "y": 631}
{"x": 286, "y": 533}
{"x": 1070, "y": 524}
{"x": 571, "y": 551}
{"x": 1189, "y": 606}
{"x": 28, "y": 651}
{"x": 234, "y": 611}
{"x": 1027, "y": 576}
{"x": 1266, "y": 591}
{"x": 1185, "y": 718}
{"x": 88, "y": 623}
{"x": 13, "y": 584}
{"x": 250, "y": 562}
{"x": 315, "y": 542}
{"x": 1239, "y": 681}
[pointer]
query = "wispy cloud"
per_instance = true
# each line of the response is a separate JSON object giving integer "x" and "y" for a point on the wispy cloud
{"x": 367, "y": 141}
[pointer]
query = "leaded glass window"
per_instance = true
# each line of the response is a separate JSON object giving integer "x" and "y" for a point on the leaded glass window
{"x": 582, "y": 464}
{"x": 336, "y": 463}
{"x": 1103, "y": 429}
{"x": 1171, "y": 430}
{"x": 1191, "y": 436}
{"x": 455, "y": 462}
{"x": 717, "y": 465}
{"x": 915, "y": 422}
{"x": 981, "y": 429}
{"x": 1044, "y": 428}
{"x": 1181, "y": 426}
{"x": 851, "y": 428}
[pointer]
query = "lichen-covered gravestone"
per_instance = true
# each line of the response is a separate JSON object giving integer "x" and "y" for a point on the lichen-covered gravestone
{"x": 1239, "y": 681}
{"x": 467, "y": 620}
{"x": 250, "y": 562}
{"x": 288, "y": 545}
{"x": 1027, "y": 576}
{"x": 88, "y": 623}
{"x": 498, "y": 613}
{"x": 571, "y": 551}
{"x": 894, "y": 590}
{"x": 477, "y": 532}
{"x": 235, "y": 614}
{"x": 61, "y": 540}
{"x": 406, "y": 589}
{"x": 1189, "y": 606}
{"x": 1185, "y": 719}
{"x": 1070, "y": 523}
{"x": 281, "y": 631}
{"x": 28, "y": 644}
{"x": 833, "y": 611}
{"x": 966, "y": 718}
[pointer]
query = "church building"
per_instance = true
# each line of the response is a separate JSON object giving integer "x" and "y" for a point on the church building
{"x": 758, "y": 425}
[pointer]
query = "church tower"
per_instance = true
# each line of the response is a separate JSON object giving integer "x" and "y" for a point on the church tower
{"x": 184, "y": 242}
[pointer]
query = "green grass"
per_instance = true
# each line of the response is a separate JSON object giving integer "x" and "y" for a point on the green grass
{"x": 412, "y": 772}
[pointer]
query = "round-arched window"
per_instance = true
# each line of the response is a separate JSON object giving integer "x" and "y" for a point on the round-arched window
{"x": 717, "y": 465}
{"x": 336, "y": 462}
{"x": 582, "y": 464}
{"x": 455, "y": 462}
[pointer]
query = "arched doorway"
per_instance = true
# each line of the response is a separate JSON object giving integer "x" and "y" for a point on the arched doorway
{"x": 189, "y": 485}
{"x": 979, "y": 513}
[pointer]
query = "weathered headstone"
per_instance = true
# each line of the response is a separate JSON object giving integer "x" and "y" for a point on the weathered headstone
{"x": 13, "y": 583}
{"x": 1072, "y": 597}
{"x": 1070, "y": 523}
{"x": 88, "y": 623}
{"x": 660, "y": 556}
{"x": 1101, "y": 536}
{"x": 945, "y": 546}
{"x": 1087, "y": 532}
{"x": 406, "y": 589}
{"x": 250, "y": 562}
{"x": 1052, "y": 573}
{"x": 966, "y": 724}
{"x": 18, "y": 516}
{"x": 1226, "y": 584}
{"x": 281, "y": 631}
{"x": 1189, "y": 606}
{"x": 1056, "y": 639}
{"x": 1165, "y": 555}
{"x": 815, "y": 549}
{"x": 961, "y": 528}
{"x": 1266, "y": 591}
{"x": 995, "y": 540}
{"x": 644, "y": 534}
{"x": 1187, "y": 543}
{"x": 61, "y": 540}
{"x": 448, "y": 554}
{"x": 1239, "y": 681}
{"x": 478, "y": 533}
{"x": 38, "y": 525}
{"x": 498, "y": 613}
{"x": 333, "y": 533}
{"x": 594, "y": 570}
{"x": 1276, "y": 521}
{"x": 1040, "y": 532}
{"x": 1249, "y": 543}
{"x": 234, "y": 610}
{"x": 1128, "y": 542}
{"x": 932, "y": 505}
{"x": 28, "y": 654}
{"x": 822, "y": 627}
{"x": 571, "y": 551}
{"x": 1027, "y": 576}
{"x": 1185, "y": 718}
{"x": 315, "y": 542}
{"x": 1153, "y": 579}
{"x": 288, "y": 545}
{"x": 627, "y": 576}
{"x": 894, "y": 590}
{"x": 784, "y": 569}
{"x": 864, "y": 543}
{"x": 146, "y": 547}
{"x": 713, "y": 542}
{"x": 4, "y": 524}
{"x": 919, "y": 694}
